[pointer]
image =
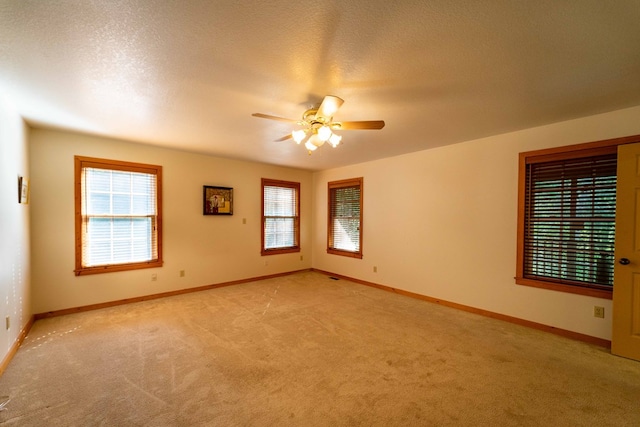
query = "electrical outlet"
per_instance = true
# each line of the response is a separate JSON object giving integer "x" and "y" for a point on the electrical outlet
{"x": 244, "y": 220}
{"x": 181, "y": 273}
{"x": 154, "y": 277}
{"x": 266, "y": 262}
{"x": 301, "y": 257}
{"x": 598, "y": 312}
{"x": 375, "y": 269}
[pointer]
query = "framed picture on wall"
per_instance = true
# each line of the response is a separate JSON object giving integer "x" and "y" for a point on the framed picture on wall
{"x": 23, "y": 190}
{"x": 217, "y": 200}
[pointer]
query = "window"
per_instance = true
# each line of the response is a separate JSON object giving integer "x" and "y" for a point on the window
{"x": 344, "y": 232}
{"x": 280, "y": 217}
{"x": 566, "y": 221}
{"x": 118, "y": 217}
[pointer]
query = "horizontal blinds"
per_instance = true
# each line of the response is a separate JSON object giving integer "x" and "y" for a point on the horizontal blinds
{"x": 119, "y": 214}
{"x": 345, "y": 218}
{"x": 281, "y": 221}
{"x": 570, "y": 221}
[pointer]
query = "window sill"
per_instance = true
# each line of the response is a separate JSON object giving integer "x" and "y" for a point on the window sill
{"x": 117, "y": 267}
{"x": 280, "y": 251}
{"x": 591, "y": 292}
{"x": 344, "y": 253}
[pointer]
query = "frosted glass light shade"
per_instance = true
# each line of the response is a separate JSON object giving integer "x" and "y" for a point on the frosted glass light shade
{"x": 298, "y": 135}
{"x": 335, "y": 140}
{"x": 324, "y": 133}
{"x": 315, "y": 140}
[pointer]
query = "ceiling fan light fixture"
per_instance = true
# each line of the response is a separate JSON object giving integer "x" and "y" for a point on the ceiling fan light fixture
{"x": 324, "y": 133}
{"x": 310, "y": 146}
{"x": 299, "y": 135}
{"x": 315, "y": 140}
{"x": 318, "y": 125}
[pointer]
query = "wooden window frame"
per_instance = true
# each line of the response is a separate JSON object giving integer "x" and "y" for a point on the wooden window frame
{"x": 266, "y": 182}
{"x": 549, "y": 155}
{"x": 81, "y": 162}
{"x": 334, "y": 185}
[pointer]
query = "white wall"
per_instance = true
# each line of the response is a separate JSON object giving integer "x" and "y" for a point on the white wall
{"x": 211, "y": 249}
{"x": 14, "y": 228}
{"x": 442, "y": 223}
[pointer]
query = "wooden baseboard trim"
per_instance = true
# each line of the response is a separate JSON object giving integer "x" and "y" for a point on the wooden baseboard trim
{"x": 522, "y": 322}
{"x": 16, "y": 345}
{"x": 99, "y": 306}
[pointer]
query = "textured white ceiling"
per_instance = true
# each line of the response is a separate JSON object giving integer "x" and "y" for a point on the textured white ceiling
{"x": 188, "y": 74}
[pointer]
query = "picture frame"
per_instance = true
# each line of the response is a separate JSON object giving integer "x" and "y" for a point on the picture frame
{"x": 217, "y": 200}
{"x": 23, "y": 190}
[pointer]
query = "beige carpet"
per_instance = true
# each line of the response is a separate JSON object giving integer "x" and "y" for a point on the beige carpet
{"x": 305, "y": 350}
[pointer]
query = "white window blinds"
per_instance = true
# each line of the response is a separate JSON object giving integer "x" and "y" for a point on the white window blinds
{"x": 120, "y": 211}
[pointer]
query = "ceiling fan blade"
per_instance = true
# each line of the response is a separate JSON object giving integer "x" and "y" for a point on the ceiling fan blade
{"x": 328, "y": 108}
{"x": 365, "y": 124}
{"x": 267, "y": 116}
{"x": 284, "y": 138}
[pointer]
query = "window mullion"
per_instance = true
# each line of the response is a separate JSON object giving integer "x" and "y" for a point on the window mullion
{"x": 573, "y": 227}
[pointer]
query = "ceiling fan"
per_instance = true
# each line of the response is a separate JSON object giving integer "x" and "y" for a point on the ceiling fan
{"x": 317, "y": 125}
